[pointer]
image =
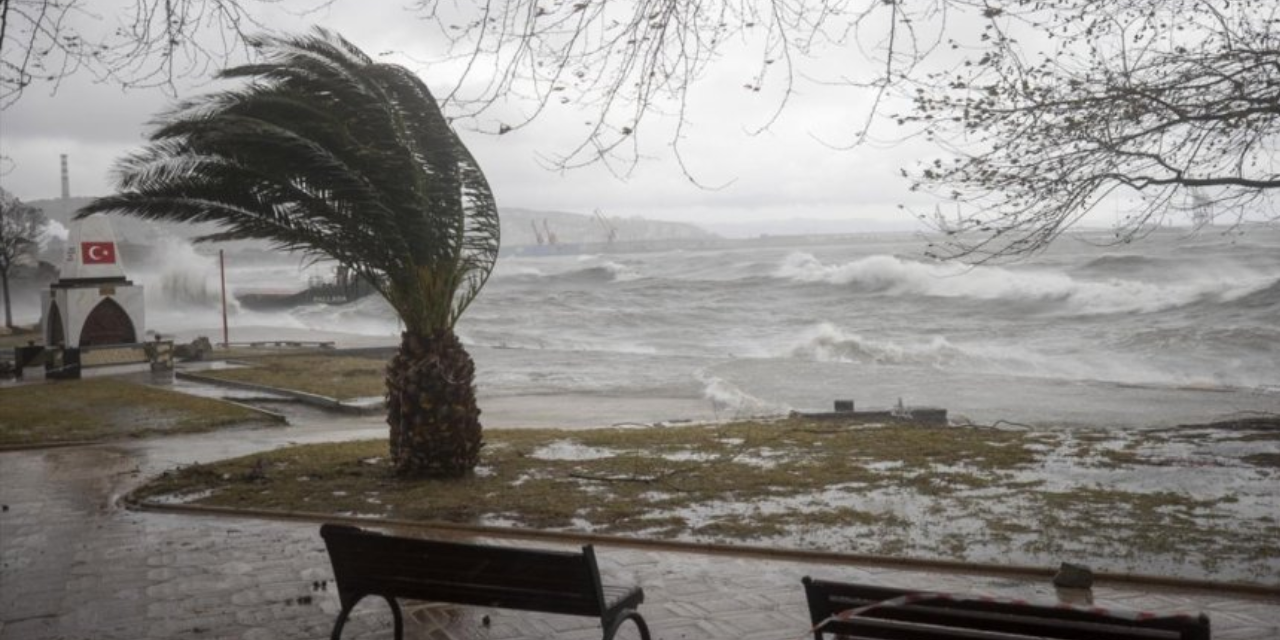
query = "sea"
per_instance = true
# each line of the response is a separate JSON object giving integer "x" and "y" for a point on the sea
{"x": 1177, "y": 328}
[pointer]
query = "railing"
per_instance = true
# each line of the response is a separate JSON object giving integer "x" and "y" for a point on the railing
{"x": 68, "y": 362}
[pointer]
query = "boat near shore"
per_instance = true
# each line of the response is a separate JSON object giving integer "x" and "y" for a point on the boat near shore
{"x": 344, "y": 287}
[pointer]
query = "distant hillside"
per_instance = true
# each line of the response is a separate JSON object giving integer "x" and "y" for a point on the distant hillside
{"x": 813, "y": 227}
{"x": 517, "y": 227}
{"x": 575, "y": 228}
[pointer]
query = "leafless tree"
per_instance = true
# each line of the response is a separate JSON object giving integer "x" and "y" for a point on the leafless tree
{"x": 21, "y": 227}
{"x": 631, "y": 64}
{"x": 136, "y": 43}
{"x": 1158, "y": 105}
{"x": 1042, "y": 110}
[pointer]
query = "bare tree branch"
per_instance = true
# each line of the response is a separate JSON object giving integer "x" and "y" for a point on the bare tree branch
{"x": 1154, "y": 102}
{"x": 21, "y": 229}
{"x": 154, "y": 43}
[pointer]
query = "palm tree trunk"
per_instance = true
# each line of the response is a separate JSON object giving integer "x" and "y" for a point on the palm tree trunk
{"x": 431, "y": 407}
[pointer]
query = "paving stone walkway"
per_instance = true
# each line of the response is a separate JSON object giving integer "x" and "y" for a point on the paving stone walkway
{"x": 75, "y": 565}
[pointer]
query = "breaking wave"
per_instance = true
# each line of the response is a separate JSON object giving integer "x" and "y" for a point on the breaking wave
{"x": 602, "y": 273}
{"x": 1113, "y": 264}
{"x": 182, "y": 277}
{"x": 892, "y": 275}
{"x": 728, "y": 397}
{"x": 1268, "y": 296}
{"x": 826, "y": 342}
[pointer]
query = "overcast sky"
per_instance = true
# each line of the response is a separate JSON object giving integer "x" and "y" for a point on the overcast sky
{"x": 785, "y": 172}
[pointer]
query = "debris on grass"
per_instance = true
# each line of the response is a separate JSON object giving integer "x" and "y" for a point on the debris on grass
{"x": 966, "y": 493}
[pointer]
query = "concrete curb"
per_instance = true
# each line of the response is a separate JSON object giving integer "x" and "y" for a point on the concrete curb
{"x": 50, "y": 445}
{"x": 748, "y": 551}
{"x": 319, "y": 401}
{"x": 266, "y": 413}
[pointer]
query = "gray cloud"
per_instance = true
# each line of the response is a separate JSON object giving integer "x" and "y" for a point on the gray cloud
{"x": 784, "y": 172}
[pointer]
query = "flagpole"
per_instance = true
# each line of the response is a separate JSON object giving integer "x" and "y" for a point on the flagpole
{"x": 222, "y": 273}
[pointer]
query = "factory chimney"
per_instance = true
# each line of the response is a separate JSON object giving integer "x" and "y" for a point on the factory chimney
{"x": 66, "y": 179}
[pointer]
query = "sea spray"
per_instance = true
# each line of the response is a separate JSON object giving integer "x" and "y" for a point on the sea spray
{"x": 176, "y": 274}
{"x": 826, "y": 342}
{"x": 731, "y": 402}
{"x": 897, "y": 276}
{"x": 1153, "y": 335}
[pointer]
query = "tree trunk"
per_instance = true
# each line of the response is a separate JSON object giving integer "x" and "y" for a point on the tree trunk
{"x": 431, "y": 407}
{"x": 8, "y": 309}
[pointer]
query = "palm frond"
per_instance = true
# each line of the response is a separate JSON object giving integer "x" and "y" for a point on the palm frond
{"x": 326, "y": 152}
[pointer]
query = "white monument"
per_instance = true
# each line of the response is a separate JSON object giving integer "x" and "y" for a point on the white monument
{"x": 92, "y": 303}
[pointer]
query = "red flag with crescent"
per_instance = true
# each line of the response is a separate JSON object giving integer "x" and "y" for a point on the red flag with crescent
{"x": 98, "y": 252}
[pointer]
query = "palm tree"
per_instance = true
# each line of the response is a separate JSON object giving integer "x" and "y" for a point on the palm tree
{"x": 327, "y": 152}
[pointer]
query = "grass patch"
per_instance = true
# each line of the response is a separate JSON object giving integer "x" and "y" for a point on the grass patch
{"x": 1261, "y": 436}
{"x": 1271, "y": 460}
{"x": 677, "y": 480}
{"x": 890, "y": 489}
{"x": 615, "y": 479}
{"x": 19, "y": 337}
{"x": 106, "y": 409}
{"x": 333, "y": 376}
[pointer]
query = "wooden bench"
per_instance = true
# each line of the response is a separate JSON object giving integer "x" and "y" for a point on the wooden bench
{"x": 367, "y": 563}
{"x": 875, "y": 613}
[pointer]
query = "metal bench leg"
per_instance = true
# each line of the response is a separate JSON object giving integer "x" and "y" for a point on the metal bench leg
{"x": 624, "y": 615}
{"x": 341, "y": 621}
{"x": 399, "y": 620}
{"x": 346, "y": 612}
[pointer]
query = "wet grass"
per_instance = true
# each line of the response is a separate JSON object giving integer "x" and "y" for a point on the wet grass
{"x": 18, "y": 337}
{"x": 333, "y": 376}
{"x": 106, "y": 409}
{"x": 1271, "y": 460}
{"x": 640, "y": 471}
{"x": 892, "y": 489}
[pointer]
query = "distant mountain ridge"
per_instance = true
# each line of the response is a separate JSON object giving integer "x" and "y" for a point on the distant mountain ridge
{"x": 813, "y": 227}
{"x": 517, "y": 226}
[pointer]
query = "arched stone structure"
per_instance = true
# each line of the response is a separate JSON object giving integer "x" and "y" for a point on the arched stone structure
{"x": 108, "y": 323}
{"x": 53, "y": 327}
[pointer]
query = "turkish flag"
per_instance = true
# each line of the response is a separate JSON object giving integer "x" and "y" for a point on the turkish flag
{"x": 98, "y": 252}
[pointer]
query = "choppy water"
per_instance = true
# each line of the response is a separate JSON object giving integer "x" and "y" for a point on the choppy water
{"x": 1169, "y": 330}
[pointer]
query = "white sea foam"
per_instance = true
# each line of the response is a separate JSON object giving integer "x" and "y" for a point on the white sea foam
{"x": 620, "y": 272}
{"x": 370, "y": 316}
{"x": 825, "y": 342}
{"x": 183, "y": 276}
{"x": 890, "y": 274}
{"x": 568, "y": 450}
{"x": 518, "y": 271}
{"x": 741, "y": 314}
{"x": 727, "y": 397}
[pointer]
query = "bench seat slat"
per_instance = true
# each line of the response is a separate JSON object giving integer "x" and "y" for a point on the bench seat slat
{"x": 944, "y": 628}
{"x": 851, "y": 596}
{"x": 941, "y": 617}
{"x": 567, "y": 580}
{"x": 367, "y": 563}
{"x": 479, "y": 595}
{"x": 460, "y": 559}
{"x": 1031, "y": 624}
{"x": 880, "y": 629}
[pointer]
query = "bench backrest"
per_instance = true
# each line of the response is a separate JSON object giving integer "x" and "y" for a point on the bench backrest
{"x": 945, "y": 618}
{"x": 370, "y": 563}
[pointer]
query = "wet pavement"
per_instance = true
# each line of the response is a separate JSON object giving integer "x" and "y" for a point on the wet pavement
{"x": 74, "y": 564}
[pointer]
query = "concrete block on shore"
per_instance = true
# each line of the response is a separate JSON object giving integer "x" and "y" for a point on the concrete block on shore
{"x": 931, "y": 416}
